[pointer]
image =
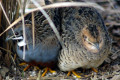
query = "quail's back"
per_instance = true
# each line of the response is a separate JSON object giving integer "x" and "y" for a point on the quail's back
{"x": 85, "y": 38}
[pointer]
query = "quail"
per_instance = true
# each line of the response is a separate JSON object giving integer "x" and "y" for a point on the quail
{"x": 47, "y": 46}
{"x": 85, "y": 38}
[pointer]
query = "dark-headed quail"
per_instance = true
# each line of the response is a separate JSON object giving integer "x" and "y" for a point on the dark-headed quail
{"x": 85, "y": 38}
{"x": 47, "y": 46}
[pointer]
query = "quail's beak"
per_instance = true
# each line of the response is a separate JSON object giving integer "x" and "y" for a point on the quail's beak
{"x": 9, "y": 38}
{"x": 97, "y": 46}
{"x": 21, "y": 43}
{"x": 14, "y": 38}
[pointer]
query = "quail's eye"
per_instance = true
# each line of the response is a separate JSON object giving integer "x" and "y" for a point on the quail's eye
{"x": 16, "y": 33}
{"x": 84, "y": 37}
{"x": 100, "y": 41}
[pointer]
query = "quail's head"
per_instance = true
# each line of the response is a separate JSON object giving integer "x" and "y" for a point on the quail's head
{"x": 17, "y": 32}
{"x": 92, "y": 38}
{"x": 92, "y": 33}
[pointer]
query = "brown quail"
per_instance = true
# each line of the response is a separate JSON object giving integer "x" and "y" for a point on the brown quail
{"x": 85, "y": 38}
{"x": 47, "y": 46}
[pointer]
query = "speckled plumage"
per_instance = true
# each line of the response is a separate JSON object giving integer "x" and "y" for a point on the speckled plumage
{"x": 47, "y": 46}
{"x": 83, "y": 27}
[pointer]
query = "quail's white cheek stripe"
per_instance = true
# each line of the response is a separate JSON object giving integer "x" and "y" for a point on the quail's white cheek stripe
{"x": 21, "y": 43}
{"x": 17, "y": 38}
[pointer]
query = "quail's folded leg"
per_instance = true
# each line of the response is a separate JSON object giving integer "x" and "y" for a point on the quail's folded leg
{"x": 76, "y": 74}
{"x": 21, "y": 64}
{"x": 48, "y": 69}
{"x": 94, "y": 70}
{"x": 28, "y": 66}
